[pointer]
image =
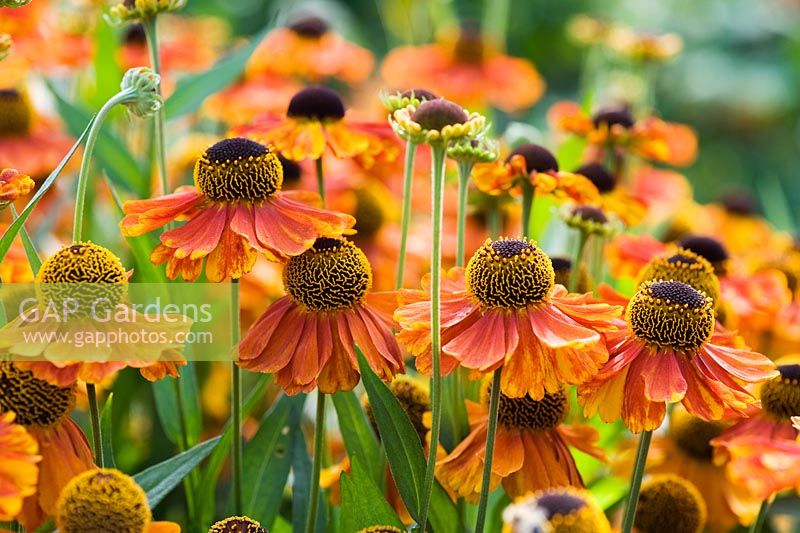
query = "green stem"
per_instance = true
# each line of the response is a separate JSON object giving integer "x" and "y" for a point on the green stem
{"x": 183, "y": 445}
{"x": 83, "y": 177}
{"x": 494, "y": 404}
{"x": 151, "y": 33}
{"x": 94, "y": 416}
{"x": 464, "y": 170}
{"x": 527, "y": 207}
{"x": 437, "y": 199}
{"x": 596, "y": 264}
{"x": 494, "y": 219}
{"x": 577, "y": 259}
{"x": 758, "y": 523}
{"x": 319, "y": 440}
{"x": 496, "y": 14}
{"x": 636, "y": 481}
{"x": 408, "y": 180}
{"x": 236, "y": 405}
{"x": 320, "y": 180}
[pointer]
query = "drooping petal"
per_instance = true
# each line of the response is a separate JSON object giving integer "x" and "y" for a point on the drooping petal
{"x": 142, "y": 216}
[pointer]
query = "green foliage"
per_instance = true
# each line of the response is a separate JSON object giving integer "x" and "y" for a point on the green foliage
{"x": 363, "y": 504}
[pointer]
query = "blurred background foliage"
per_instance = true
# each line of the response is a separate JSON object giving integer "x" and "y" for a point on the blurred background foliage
{"x": 736, "y": 81}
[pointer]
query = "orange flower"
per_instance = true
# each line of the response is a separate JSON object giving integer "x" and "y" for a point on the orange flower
{"x": 686, "y": 450}
{"x": 18, "y": 470}
{"x": 51, "y": 341}
{"x": 764, "y": 466}
{"x": 315, "y": 120}
{"x": 531, "y": 447}
{"x": 504, "y": 310}
{"x": 307, "y": 48}
{"x": 13, "y": 185}
{"x": 251, "y": 97}
{"x": 468, "y": 70}
{"x": 613, "y": 197}
{"x": 669, "y": 353}
{"x": 15, "y": 267}
{"x": 44, "y": 409}
{"x": 235, "y": 210}
{"x": 615, "y": 128}
{"x": 306, "y": 338}
{"x": 629, "y": 254}
{"x": 662, "y": 191}
{"x": 27, "y": 140}
{"x": 536, "y": 165}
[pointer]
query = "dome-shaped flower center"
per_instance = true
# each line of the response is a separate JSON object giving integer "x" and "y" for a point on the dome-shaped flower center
{"x": 599, "y": 176}
{"x": 35, "y": 401}
{"x": 509, "y": 273}
{"x": 438, "y": 113}
{"x": 237, "y": 524}
{"x": 309, "y": 26}
{"x": 134, "y": 35}
{"x": 469, "y": 47}
{"x": 368, "y": 213}
{"x": 420, "y": 94}
{"x": 670, "y": 503}
{"x": 616, "y": 116}
{"x": 536, "y": 157}
{"x": 711, "y": 249}
{"x": 671, "y": 314}
{"x": 687, "y": 267}
{"x": 692, "y": 435}
{"x": 560, "y": 503}
{"x": 333, "y": 274}
{"x": 412, "y": 397}
{"x": 589, "y": 214}
{"x": 381, "y": 529}
{"x": 781, "y": 397}
{"x": 527, "y": 413}
{"x": 291, "y": 172}
{"x": 316, "y": 103}
{"x": 82, "y": 262}
{"x": 238, "y": 169}
{"x": 103, "y": 500}
{"x": 16, "y": 114}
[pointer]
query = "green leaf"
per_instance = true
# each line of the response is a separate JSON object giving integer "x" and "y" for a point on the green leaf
{"x": 570, "y": 152}
{"x": 609, "y": 491}
{"x": 107, "y": 429}
{"x": 208, "y": 481}
{"x": 301, "y": 485}
{"x": 30, "y": 250}
{"x": 110, "y": 152}
{"x": 107, "y": 70}
{"x": 267, "y": 460}
{"x": 193, "y": 90}
{"x": 359, "y": 439}
{"x": 363, "y": 504}
{"x": 404, "y": 450}
{"x": 16, "y": 226}
{"x": 159, "y": 480}
{"x": 167, "y": 407}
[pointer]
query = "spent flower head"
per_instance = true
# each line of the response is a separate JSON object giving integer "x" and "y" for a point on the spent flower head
{"x": 140, "y": 10}
{"x": 144, "y": 84}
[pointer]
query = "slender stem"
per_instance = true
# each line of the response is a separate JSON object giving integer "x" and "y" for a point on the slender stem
{"x": 83, "y": 176}
{"x": 464, "y": 170}
{"x": 494, "y": 404}
{"x": 494, "y": 219}
{"x": 408, "y": 180}
{"x": 636, "y": 481}
{"x": 320, "y": 180}
{"x": 527, "y": 207}
{"x": 236, "y": 404}
{"x": 758, "y": 523}
{"x": 577, "y": 259}
{"x": 151, "y": 33}
{"x": 319, "y": 440}
{"x": 183, "y": 445}
{"x": 94, "y": 416}
{"x": 437, "y": 199}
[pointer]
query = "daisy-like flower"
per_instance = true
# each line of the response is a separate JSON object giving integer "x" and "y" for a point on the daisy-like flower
{"x": 681, "y": 264}
{"x": 588, "y": 220}
{"x": 555, "y": 510}
{"x": 436, "y": 121}
{"x": 309, "y": 49}
{"x": 667, "y": 354}
{"x": 43, "y": 410}
{"x": 534, "y": 164}
{"x": 53, "y": 356}
{"x": 306, "y": 338}
{"x": 235, "y": 210}
{"x": 101, "y": 499}
{"x": 505, "y": 310}
{"x": 314, "y": 122}
{"x": 766, "y": 467}
{"x": 531, "y": 447}
{"x": 27, "y": 140}
{"x": 614, "y": 198}
{"x": 466, "y": 68}
{"x": 20, "y": 471}
{"x": 685, "y": 450}
{"x": 237, "y": 524}
{"x": 670, "y": 503}
{"x": 615, "y": 128}
{"x": 643, "y": 46}
{"x": 13, "y": 185}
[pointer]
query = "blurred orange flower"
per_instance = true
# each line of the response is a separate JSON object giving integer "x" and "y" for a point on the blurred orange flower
{"x": 18, "y": 469}
{"x": 13, "y": 185}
